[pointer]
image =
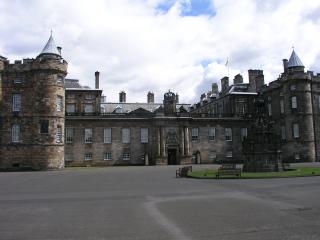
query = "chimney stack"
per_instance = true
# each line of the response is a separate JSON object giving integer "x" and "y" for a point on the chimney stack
{"x": 97, "y": 76}
{"x": 285, "y": 65}
{"x": 256, "y": 80}
{"x": 238, "y": 79}
{"x": 122, "y": 97}
{"x": 150, "y": 97}
{"x": 224, "y": 85}
{"x": 177, "y": 98}
{"x": 59, "y": 50}
{"x": 215, "y": 89}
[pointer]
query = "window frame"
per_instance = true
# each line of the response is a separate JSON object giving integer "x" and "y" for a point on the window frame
{"x": 42, "y": 122}
{"x": 69, "y": 134}
{"x": 228, "y": 134}
{"x": 59, "y": 103}
{"x": 144, "y": 135}
{"x": 16, "y": 102}
{"x": 195, "y": 137}
{"x": 59, "y": 134}
{"x": 126, "y": 133}
{"x": 295, "y": 130}
{"x": 16, "y": 133}
{"x": 107, "y": 137}
{"x": 88, "y": 135}
{"x": 126, "y": 156}
{"x": 294, "y": 102}
{"x": 88, "y": 156}
{"x": 107, "y": 156}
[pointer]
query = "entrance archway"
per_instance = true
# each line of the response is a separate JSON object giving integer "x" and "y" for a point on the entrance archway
{"x": 172, "y": 156}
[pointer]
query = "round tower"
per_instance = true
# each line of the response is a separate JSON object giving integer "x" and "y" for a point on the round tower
{"x": 33, "y": 115}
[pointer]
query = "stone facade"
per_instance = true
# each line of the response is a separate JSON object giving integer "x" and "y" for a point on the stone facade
{"x": 38, "y": 106}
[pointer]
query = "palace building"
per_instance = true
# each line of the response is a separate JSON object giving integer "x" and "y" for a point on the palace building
{"x": 48, "y": 121}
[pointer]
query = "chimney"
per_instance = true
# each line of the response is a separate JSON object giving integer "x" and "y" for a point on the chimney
{"x": 203, "y": 96}
{"x": 177, "y": 98}
{"x": 256, "y": 80}
{"x": 97, "y": 76}
{"x": 122, "y": 97}
{"x": 150, "y": 97}
{"x": 215, "y": 89}
{"x": 238, "y": 79}
{"x": 224, "y": 85}
{"x": 285, "y": 65}
{"x": 59, "y": 50}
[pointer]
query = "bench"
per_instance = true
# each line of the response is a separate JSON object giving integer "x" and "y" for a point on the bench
{"x": 183, "y": 172}
{"x": 228, "y": 170}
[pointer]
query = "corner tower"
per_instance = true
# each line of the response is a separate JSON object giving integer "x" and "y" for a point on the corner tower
{"x": 32, "y": 114}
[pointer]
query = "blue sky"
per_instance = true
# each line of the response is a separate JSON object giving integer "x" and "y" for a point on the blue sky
{"x": 190, "y": 8}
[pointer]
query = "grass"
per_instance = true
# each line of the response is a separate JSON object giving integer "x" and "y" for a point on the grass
{"x": 297, "y": 172}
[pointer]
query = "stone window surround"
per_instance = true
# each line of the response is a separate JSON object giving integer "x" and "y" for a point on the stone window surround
{"x": 15, "y": 133}
{"x": 16, "y": 102}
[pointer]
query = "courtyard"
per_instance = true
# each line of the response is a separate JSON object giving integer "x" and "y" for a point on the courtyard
{"x": 150, "y": 203}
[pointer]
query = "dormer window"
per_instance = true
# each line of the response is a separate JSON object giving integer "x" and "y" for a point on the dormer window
{"x": 118, "y": 109}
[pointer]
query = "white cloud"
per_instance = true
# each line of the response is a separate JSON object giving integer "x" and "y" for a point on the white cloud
{"x": 137, "y": 48}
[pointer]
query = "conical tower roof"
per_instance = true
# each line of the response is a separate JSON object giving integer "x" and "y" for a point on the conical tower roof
{"x": 50, "y": 47}
{"x": 294, "y": 60}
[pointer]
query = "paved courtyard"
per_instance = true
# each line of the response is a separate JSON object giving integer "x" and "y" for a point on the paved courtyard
{"x": 150, "y": 203}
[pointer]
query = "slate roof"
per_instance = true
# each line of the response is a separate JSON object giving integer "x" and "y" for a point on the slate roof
{"x": 50, "y": 47}
{"x": 129, "y": 107}
{"x": 294, "y": 60}
{"x": 73, "y": 84}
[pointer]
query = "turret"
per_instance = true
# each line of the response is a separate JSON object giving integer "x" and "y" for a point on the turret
{"x": 34, "y": 119}
{"x": 169, "y": 103}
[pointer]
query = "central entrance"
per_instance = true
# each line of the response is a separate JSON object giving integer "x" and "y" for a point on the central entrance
{"x": 172, "y": 156}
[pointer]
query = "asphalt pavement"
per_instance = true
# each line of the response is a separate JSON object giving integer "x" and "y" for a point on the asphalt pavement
{"x": 150, "y": 203}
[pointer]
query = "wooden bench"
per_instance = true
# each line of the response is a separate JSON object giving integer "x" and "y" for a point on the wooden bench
{"x": 183, "y": 172}
{"x": 228, "y": 170}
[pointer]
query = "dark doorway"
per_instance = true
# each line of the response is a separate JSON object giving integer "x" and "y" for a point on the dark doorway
{"x": 172, "y": 157}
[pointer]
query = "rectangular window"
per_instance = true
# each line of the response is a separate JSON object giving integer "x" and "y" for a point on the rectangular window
{"x": 228, "y": 133}
{"x": 293, "y": 87}
{"x": 88, "y": 135}
{"x": 88, "y": 96}
{"x": 88, "y": 156}
{"x": 107, "y": 135}
{"x": 212, "y": 156}
{"x": 244, "y": 133}
{"x": 294, "y": 102}
{"x": 125, "y": 135}
{"x": 281, "y": 106}
{"x": 212, "y": 134}
{"x": 59, "y": 103}
{"x": 71, "y": 108}
{"x": 59, "y": 79}
{"x": 144, "y": 132}
{"x": 59, "y": 135}
{"x": 15, "y": 133}
{"x": 88, "y": 108}
{"x": 296, "y": 132}
{"x": 69, "y": 135}
{"x": 16, "y": 102}
{"x": 107, "y": 156}
{"x": 68, "y": 157}
{"x": 17, "y": 80}
{"x": 229, "y": 154}
{"x": 44, "y": 126}
{"x": 126, "y": 157}
{"x": 195, "y": 134}
{"x": 283, "y": 133}
{"x": 269, "y": 109}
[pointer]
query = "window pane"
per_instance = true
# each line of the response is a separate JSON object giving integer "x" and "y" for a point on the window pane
{"x": 107, "y": 135}
{"x": 44, "y": 126}
{"x": 107, "y": 156}
{"x": 244, "y": 133}
{"x": 294, "y": 102}
{"x": 144, "y": 135}
{"x": 281, "y": 106}
{"x": 296, "y": 133}
{"x": 88, "y": 108}
{"x": 59, "y": 135}
{"x": 212, "y": 134}
{"x": 283, "y": 133}
{"x": 16, "y": 102}
{"x": 228, "y": 133}
{"x": 88, "y": 156}
{"x": 88, "y": 135}
{"x": 195, "y": 134}
{"x": 15, "y": 132}
{"x": 69, "y": 135}
{"x": 59, "y": 103}
{"x": 126, "y": 156}
{"x": 125, "y": 135}
{"x": 71, "y": 108}
{"x": 269, "y": 109}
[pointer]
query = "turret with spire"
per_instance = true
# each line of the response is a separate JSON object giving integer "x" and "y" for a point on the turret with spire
{"x": 50, "y": 49}
{"x": 294, "y": 64}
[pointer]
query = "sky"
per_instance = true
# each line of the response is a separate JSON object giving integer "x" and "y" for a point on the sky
{"x": 160, "y": 45}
